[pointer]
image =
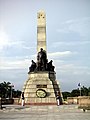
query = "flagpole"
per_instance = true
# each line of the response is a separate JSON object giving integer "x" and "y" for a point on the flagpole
{"x": 79, "y": 85}
{"x": 80, "y": 90}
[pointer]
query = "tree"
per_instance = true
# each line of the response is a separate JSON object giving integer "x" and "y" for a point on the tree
{"x": 75, "y": 93}
{"x": 89, "y": 91}
{"x": 6, "y": 89}
{"x": 66, "y": 94}
{"x": 16, "y": 93}
{"x": 84, "y": 91}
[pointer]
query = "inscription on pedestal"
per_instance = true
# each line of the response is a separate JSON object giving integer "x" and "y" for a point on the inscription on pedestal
{"x": 41, "y": 86}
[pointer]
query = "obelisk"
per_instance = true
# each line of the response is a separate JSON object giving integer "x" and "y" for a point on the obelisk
{"x": 41, "y": 30}
{"x": 41, "y": 87}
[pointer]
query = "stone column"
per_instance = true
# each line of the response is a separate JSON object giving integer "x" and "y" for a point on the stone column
{"x": 41, "y": 30}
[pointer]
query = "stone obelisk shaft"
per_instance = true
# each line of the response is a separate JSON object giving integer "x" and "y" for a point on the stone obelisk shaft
{"x": 41, "y": 30}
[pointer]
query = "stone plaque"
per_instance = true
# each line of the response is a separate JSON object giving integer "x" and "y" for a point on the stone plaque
{"x": 41, "y": 86}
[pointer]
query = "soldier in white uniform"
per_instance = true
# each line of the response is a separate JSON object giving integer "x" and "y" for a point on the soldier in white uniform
{"x": 22, "y": 96}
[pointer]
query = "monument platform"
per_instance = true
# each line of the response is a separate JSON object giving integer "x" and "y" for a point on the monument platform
{"x": 40, "y": 88}
{"x": 48, "y": 112}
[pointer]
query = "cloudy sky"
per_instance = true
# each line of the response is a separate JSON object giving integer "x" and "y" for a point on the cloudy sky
{"x": 68, "y": 40}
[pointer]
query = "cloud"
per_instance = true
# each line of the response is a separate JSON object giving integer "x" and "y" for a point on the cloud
{"x": 5, "y": 41}
{"x": 70, "y": 43}
{"x": 56, "y": 54}
{"x": 60, "y": 54}
{"x": 70, "y": 75}
{"x": 28, "y": 48}
{"x": 73, "y": 69}
{"x": 80, "y": 26}
{"x": 13, "y": 63}
{"x": 13, "y": 47}
{"x": 15, "y": 76}
{"x": 25, "y": 61}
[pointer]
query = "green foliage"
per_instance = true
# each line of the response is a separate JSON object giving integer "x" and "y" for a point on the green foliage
{"x": 84, "y": 91}
{"x": 6, "y": 90}
{"x": 66, "y": 94}
{"x": 89, "y": 91}
{"x": 16, "y": 93}
{"x": 76, "y": 92}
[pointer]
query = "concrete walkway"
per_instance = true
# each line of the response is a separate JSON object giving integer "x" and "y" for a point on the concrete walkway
{"x": 63, "y": 112}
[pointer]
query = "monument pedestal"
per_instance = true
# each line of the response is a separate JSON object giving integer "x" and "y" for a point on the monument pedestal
{"x": 40, "y": 88}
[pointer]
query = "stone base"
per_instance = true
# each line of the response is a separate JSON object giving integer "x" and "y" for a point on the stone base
{"x": 39, "y": 104}
{"x": 41, "y": 80}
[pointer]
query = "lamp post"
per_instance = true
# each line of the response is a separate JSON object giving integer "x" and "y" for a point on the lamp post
{"x": 80, "y": 88}
{"x": 80, "y": 91}
{"x": 11, "y": 90}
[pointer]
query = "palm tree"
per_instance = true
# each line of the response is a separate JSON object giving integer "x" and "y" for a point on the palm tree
{"x": 5, "y": 89}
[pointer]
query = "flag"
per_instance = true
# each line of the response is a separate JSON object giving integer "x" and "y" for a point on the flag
{"x": 79, "y": 84}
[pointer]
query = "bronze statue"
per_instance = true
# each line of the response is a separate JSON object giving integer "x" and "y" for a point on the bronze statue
{"x": 42, "y": 63}
{"x": 50, "y": 67}
{"x": 41, "y": 60}
{"x": 32, "y": 67}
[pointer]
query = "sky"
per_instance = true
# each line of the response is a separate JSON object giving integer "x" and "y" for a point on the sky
{"x": 67, "y": 36}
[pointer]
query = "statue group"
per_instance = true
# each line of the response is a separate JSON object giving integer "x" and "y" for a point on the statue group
{"x": 42, "y": 63}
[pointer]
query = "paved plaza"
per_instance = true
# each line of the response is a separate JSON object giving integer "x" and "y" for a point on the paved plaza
{"x": 63, "y": 112}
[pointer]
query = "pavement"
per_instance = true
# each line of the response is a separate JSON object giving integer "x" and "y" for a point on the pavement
{"x": 50, "y": 112}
